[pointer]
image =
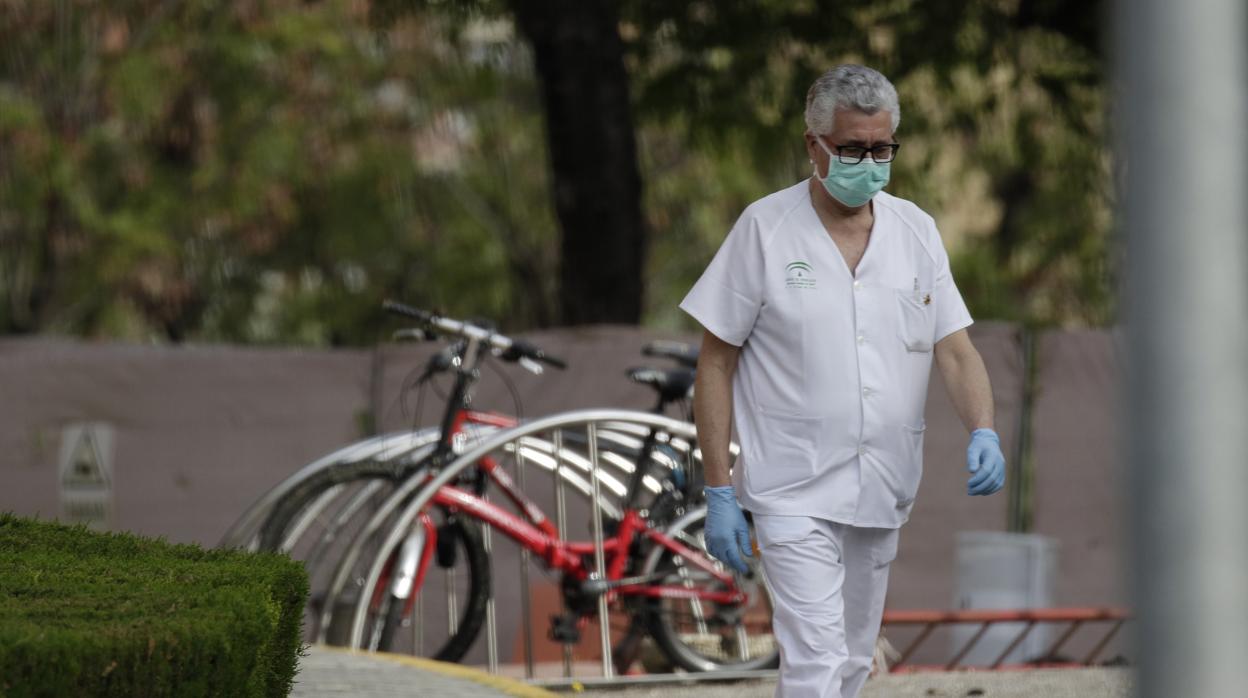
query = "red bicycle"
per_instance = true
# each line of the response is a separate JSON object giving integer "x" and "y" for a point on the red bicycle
{"x": 701, "y": 616}
{"x": 318, "y": 518}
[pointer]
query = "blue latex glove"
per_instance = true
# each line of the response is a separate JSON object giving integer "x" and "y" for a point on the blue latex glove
{"x": 727, "y": 534}
{"x": 986, "y": 463}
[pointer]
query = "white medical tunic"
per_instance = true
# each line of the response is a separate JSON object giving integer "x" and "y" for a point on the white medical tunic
{"x": 831, "y": 382}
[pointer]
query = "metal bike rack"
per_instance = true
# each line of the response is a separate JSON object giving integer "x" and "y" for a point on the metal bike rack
{"x": 404, "y": 492}
{"x": 593, "y": 471}
{"x": 414, "y": 496}
{"x": 243, "y": 532}
{"x": 329, "y": 511}
{"x": 1074, "y": 618}
{"x": 395, "y": 446}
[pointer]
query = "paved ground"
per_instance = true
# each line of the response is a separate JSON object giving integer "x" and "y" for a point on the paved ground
{"x": 1053, "y": 683}
{"x": 334, "y": 673}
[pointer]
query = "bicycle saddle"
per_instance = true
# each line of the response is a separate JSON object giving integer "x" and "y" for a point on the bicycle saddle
{"x": 672, "y": 384}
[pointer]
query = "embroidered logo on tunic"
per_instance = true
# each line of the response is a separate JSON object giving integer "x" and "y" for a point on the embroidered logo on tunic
{"x": 799, "y": 275}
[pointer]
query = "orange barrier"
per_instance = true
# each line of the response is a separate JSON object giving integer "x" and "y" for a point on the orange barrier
{"x": 1076, "y": 617}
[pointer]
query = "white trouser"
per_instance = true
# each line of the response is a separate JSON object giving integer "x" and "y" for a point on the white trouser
{"x": 828, "y": 582}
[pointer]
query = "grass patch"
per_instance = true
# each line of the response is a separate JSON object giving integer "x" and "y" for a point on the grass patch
{"x": 113, "y": 614}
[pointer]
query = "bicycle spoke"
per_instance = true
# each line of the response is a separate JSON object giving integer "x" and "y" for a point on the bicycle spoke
{"x": 452, "y": 602}
{"x": 313, "y": 513}
{"x": 703, "y": 635}
{"x": 694, "y": 604}
{"x": 367, "y": 495}
{"x": 743, "y": 642}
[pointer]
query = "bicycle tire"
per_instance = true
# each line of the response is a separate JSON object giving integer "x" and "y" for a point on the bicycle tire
{"x": 469, "y": 540}
{"x": 273, "y": 530}
{"x": 688, "y": 650}
{"x": 468, "y": 536}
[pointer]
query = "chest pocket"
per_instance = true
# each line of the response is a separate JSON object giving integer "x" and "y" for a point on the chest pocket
{"x": 916, "y": 319}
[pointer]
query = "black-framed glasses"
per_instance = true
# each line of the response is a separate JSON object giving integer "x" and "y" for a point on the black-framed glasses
{"x": 854, "y": 154}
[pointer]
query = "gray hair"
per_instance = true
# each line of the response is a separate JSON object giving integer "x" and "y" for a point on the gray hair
{"x": 849, "y": 87}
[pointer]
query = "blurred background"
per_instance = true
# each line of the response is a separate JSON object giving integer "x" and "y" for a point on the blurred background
{"x": 267, "y": 172}
{"x": 203, "y": 204}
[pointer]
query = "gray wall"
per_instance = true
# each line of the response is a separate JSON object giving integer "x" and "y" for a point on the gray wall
{"x": 200, "y": 432}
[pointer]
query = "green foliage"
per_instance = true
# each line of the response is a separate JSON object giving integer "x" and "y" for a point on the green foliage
{"x": 1003, "y": 131}
{"x": 94, "y": 614}
{"x": 268, "y": 172}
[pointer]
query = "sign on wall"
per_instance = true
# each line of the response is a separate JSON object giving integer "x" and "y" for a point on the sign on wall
{"x": 86, "y": 474}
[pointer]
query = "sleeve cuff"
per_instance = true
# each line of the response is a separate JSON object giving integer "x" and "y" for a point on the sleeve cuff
{"x": 721, "y": 310}
{"x": 961, "y": 324}
{"x": 719, "y": 329}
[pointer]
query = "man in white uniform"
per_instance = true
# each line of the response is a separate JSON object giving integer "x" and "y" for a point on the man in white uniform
{"x": 822, "y": 312}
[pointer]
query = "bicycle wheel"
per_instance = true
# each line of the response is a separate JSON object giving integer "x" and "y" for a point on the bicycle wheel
{"x": 317, "y": 522}
{"x": 701, "y": 635}
{"x": 323, "y": 517}
{"x": 449, "y": 608}
{"x": 308, "y": 499}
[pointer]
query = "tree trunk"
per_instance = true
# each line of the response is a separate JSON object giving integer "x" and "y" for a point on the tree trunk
{"x": 597, "y": 188}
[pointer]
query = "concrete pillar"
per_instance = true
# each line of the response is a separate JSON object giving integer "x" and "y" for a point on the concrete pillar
{"x": 1181, "y": 113}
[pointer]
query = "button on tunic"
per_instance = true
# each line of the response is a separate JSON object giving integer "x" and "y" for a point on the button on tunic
{"x": 831, "y": 382}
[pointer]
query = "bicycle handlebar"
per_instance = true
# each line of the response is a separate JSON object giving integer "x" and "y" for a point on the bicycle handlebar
{"x": 510, "y": 349}
{"x": 520, "y": 348}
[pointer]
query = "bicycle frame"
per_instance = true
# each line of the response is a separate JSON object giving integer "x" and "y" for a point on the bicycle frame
{"x": 570, "y": 557}
{"x": 534, "y": 531}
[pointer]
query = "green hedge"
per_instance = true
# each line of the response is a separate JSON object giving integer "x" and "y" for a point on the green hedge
{"x": 112, "y": 614}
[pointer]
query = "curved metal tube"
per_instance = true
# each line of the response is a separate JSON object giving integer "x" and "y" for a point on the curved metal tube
{"x": 574, "y": 458}
{"x": 307, "y": 517}
{"x": 384, "y": 447}
{"x": 519, "y": 443}
{"x": 344, "y": 513}
{"x": 450, "y": 472}
{"x": 244, "y": 527}
{"x": 534, "y": 448}
{"x": 313, "y": 559}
